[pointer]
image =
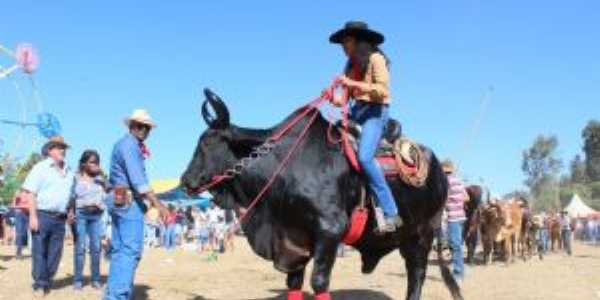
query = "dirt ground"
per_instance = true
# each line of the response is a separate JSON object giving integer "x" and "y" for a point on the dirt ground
{"x": 240, "y": 275}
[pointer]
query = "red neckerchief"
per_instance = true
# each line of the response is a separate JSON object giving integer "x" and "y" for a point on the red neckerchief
{"x": 355, "y": 75}
{"x": 145, "y": 150}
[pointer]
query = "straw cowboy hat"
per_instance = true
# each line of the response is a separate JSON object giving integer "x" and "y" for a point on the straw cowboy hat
{"x": 54, "y": 142}
{"x": 448, "y": 167}
{"x": 140, "y": 116}
{"x": 357, "y": 29}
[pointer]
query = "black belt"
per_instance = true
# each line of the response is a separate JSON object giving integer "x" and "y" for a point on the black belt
{"x": 53, "y": 214}
{"x": 91, "y": 209}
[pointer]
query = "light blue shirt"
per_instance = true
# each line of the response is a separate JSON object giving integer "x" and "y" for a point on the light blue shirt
{"x": 51, "y": 186}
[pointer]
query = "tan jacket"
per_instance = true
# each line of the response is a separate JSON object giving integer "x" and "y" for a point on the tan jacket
{"x": 376, "y": 85}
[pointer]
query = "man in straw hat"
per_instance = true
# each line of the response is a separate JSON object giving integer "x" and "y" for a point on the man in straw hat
{"x": 455, "y": 210}
{"x": 126, "y": 203}
{"x": 47, "y": 189}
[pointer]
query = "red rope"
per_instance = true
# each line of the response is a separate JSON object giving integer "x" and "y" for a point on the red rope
{"x": 307, "y": 109}
{"x": 280, "y": 168}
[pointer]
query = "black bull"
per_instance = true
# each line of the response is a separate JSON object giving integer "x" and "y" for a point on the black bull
{"x": 472, "y": 211}
{"x": 306, "y": 212}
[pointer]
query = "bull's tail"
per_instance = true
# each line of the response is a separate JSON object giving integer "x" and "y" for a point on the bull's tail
{"x": 449, "y": 280}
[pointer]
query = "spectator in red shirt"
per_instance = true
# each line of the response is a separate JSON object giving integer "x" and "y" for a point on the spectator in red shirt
{"x": 169, "y": 221}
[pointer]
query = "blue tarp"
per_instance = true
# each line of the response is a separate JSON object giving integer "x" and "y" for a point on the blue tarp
{"x": 181, "y": 199}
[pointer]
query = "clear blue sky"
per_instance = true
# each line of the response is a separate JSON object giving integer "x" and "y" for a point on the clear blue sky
{"x": 265, "y": 58}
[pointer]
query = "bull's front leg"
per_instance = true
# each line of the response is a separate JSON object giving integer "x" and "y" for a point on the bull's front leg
{"x": 487, "y": 250}
{"x": 329, "y": 235}
{"x": 508, "y": 249}
{"x": 295, "y": 281}
{"x": 415, "y": 257}
{"x": 471, "y": 243}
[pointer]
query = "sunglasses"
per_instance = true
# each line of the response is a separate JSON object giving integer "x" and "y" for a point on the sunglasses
{"x": 140, "y": 126}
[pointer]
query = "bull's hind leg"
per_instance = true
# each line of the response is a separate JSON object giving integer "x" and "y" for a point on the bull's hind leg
{"x": 415, "y": 256}
{"x": 295, "y": 280}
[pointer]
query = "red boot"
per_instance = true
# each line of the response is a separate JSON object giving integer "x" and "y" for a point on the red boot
{"x": 295, "y": 295}
{"x": 323, "y": 296}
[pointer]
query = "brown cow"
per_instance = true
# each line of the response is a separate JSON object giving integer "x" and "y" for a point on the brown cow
{"x": 501, "y": 222}
{"x": 491, "y": 220}
{"x": 526, "y": 242}
{"x": 555, "y": 238}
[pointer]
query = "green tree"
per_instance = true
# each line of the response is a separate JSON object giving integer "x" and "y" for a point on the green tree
{"x": 591, "y": 147}
{"x": 14, "y": 176}
{"x": 546, "y": 195}
{"x": 541, "y": 167}
{"x": 578, "y": 170}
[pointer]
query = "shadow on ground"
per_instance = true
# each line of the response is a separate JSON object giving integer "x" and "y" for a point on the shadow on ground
{"x": 338, "y": 295}
{"x": 403, "y": 275}
{"x": 11, "y": 257}
{"x": 140, "y": 291}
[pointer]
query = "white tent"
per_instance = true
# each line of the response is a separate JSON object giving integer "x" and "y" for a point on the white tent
{"x": 577, "y": 208}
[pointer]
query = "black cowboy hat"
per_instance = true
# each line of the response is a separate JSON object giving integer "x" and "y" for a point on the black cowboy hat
{"x": 358, "y": 29}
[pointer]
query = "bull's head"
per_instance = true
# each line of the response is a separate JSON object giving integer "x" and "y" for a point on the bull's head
{"x": 213, "y": 153}
{"x": 493, "y": 217}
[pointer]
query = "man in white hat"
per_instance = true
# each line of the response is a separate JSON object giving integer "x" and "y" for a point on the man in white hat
{"x": 126, "y": 204}
{"x": 47, "y": 190}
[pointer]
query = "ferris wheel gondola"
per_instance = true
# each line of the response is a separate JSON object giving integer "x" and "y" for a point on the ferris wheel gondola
{"x": 20, "y": 98}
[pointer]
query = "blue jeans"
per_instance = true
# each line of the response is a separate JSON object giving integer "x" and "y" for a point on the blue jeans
{"x": 21, "y": 230}
{"x": 47, "y": 247}
{"x": 126, "y": 251}
{"x": 455, "y": 241}
{"x": 545, "y": 239}
{"x": 88, "y": 225}
{"x": 150, "y": 233}
{"x": 170, "y": 235}
{"x": 373, "y": 119}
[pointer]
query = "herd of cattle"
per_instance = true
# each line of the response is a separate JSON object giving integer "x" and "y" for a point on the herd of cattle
{"x": 505, "y": 228}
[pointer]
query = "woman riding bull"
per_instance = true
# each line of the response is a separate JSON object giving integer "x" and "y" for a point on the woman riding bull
{"x": 367, "y": 79}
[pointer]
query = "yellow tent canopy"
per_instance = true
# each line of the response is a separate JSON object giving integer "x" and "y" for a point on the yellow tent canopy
{"x": 164, "y": 185}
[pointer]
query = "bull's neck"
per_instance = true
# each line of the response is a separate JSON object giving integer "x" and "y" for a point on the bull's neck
{"x": 245, "y": 139}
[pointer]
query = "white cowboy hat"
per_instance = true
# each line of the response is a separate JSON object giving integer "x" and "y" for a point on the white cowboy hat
{"x": 140, "y": 116}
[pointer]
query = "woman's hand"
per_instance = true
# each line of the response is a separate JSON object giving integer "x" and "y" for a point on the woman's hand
{"x": 353, "y": 84}
{"x": 347, "y": 82}
{"x": 337, "y": 100}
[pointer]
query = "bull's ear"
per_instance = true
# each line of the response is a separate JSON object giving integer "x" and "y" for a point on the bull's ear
{"x": 221, "y": 120}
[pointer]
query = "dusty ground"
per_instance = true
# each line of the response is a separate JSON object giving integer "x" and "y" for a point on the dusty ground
{"x": 242, "y": 275}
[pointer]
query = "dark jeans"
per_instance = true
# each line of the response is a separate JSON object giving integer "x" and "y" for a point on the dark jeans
{"x": 88, "y": 225}
{"x": 21, "y": 230}
{"x": 47, "y": 246}
{"x": 566, "y": 240}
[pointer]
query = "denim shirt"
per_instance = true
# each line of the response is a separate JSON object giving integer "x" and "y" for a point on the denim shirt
{"x": 51, "y": 186}
{"x": 127, "y": 166}
{"x": 127, "y": 170}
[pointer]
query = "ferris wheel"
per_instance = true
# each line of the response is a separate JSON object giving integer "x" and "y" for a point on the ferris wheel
{"x": 23, "y": 123}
